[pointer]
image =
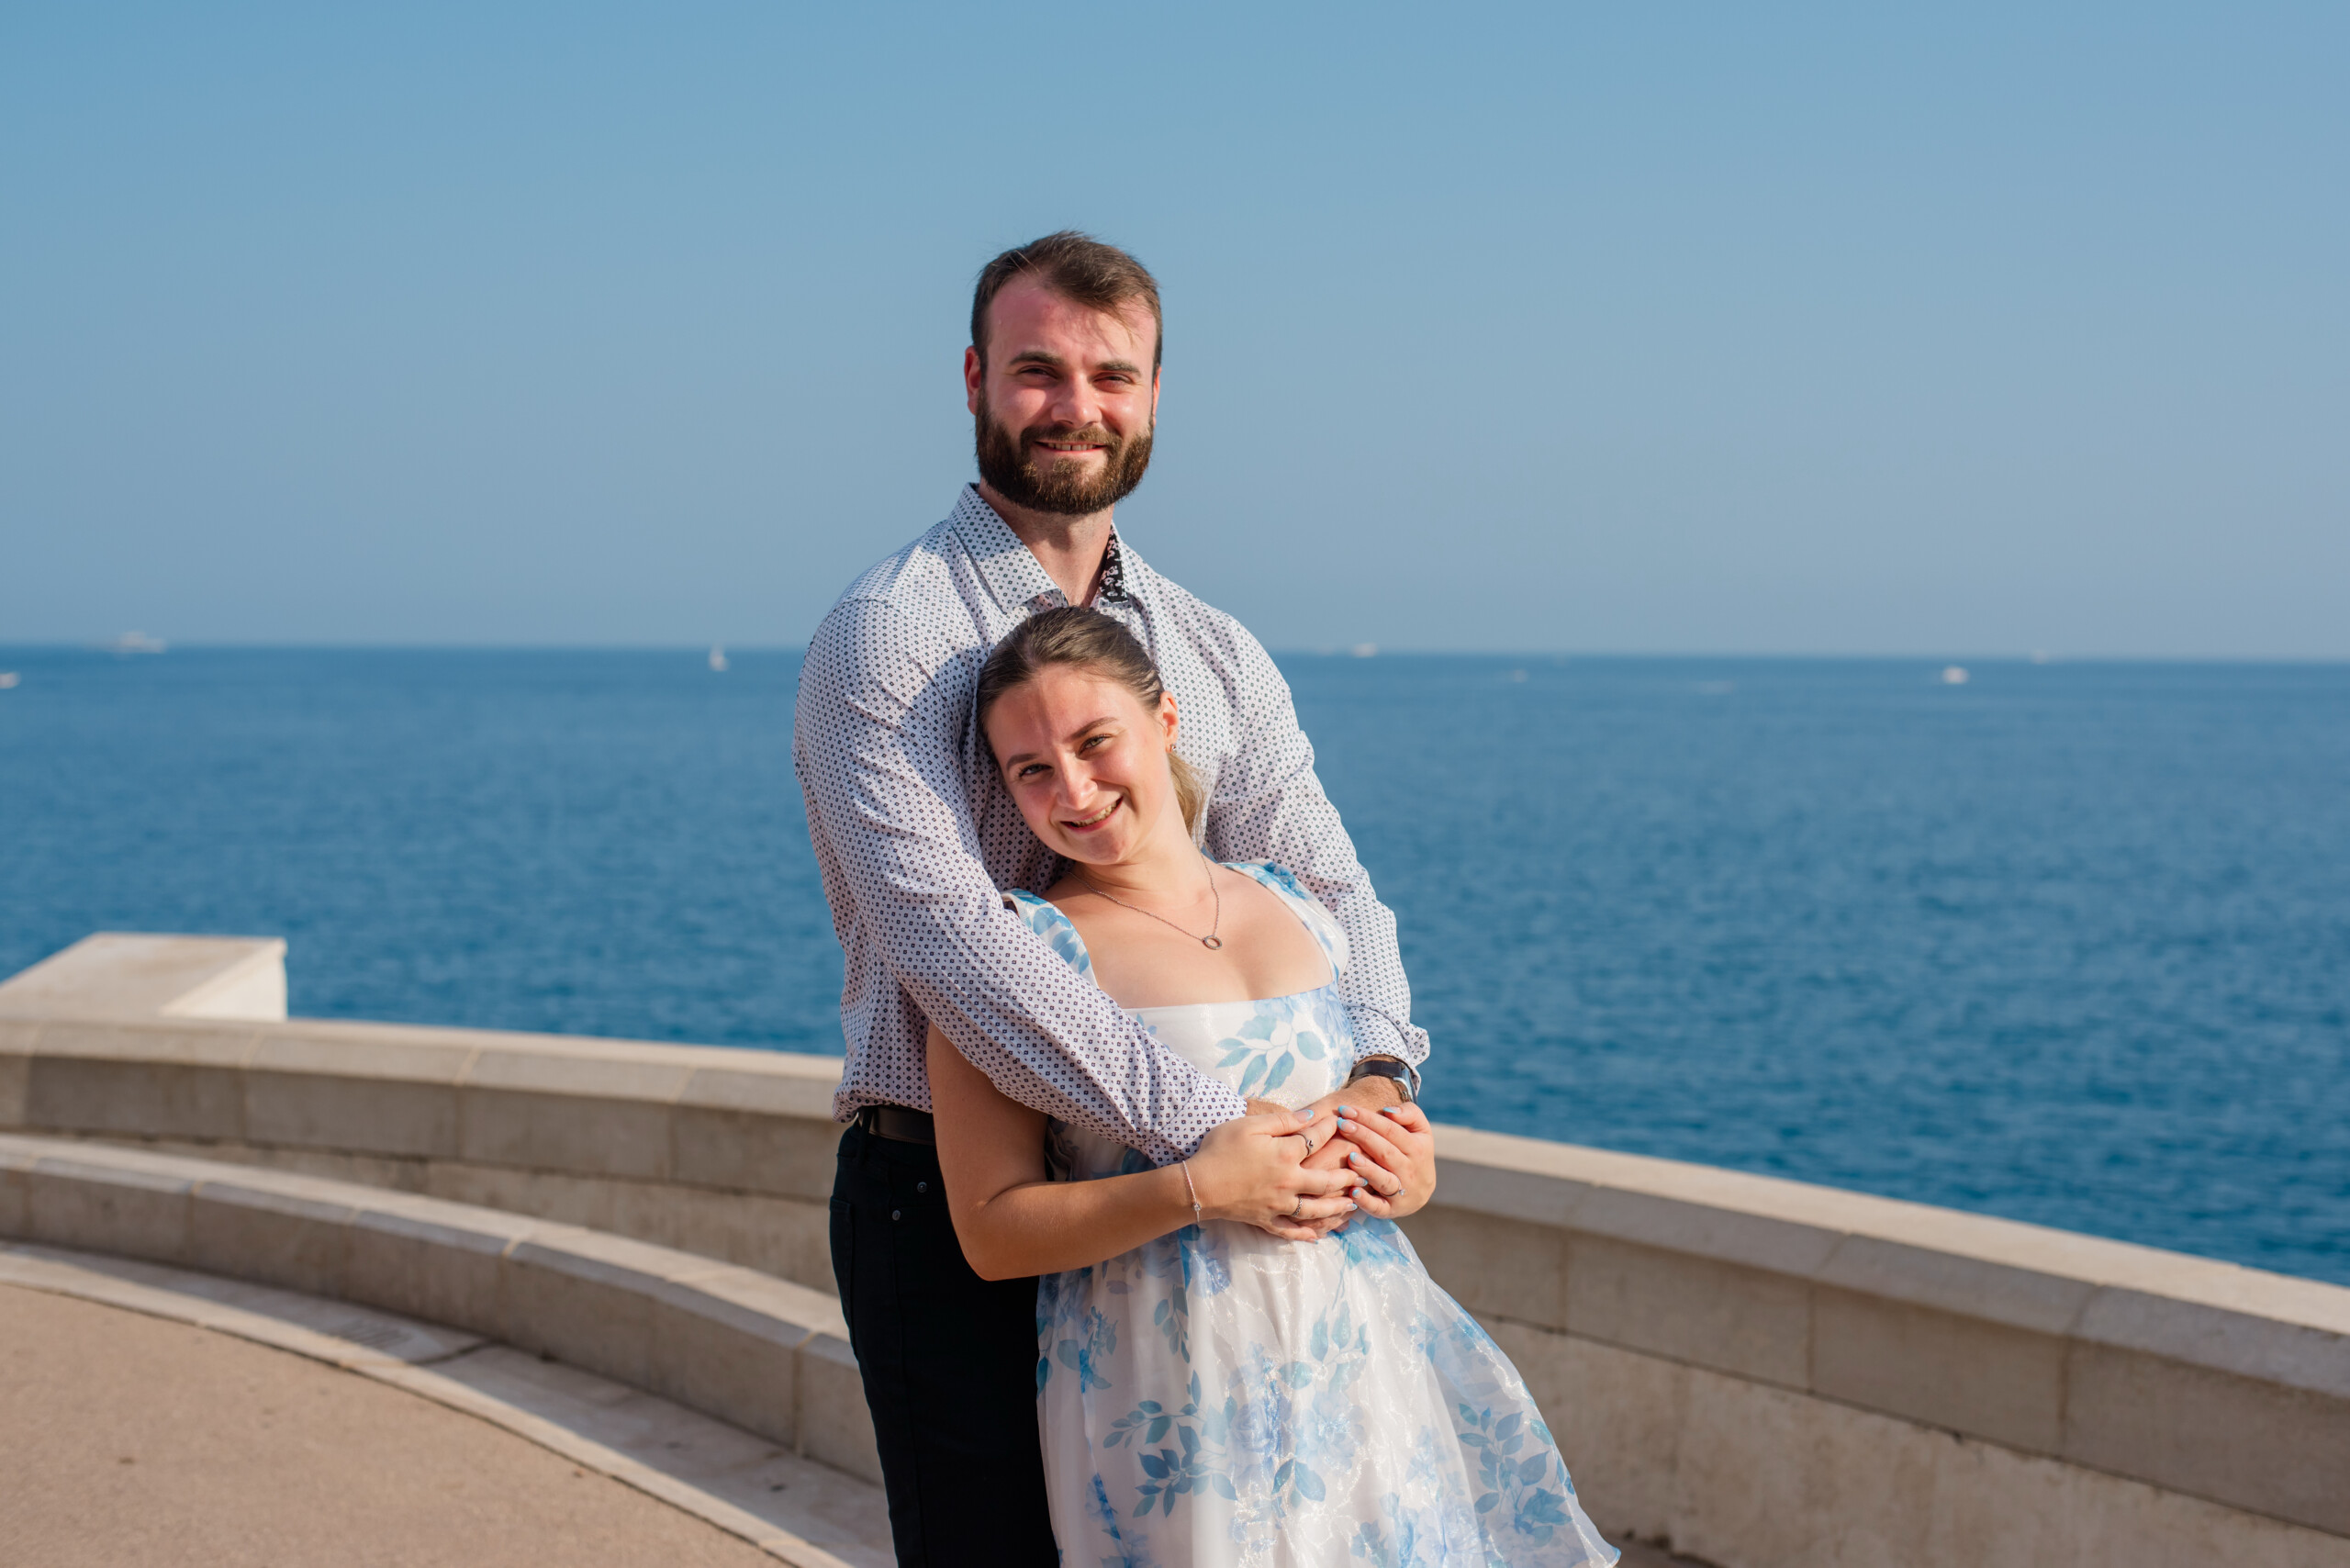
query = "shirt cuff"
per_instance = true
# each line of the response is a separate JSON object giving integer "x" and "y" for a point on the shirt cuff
{"x": 1217, "y": 1104}
{"x": 1377, "y": 1035}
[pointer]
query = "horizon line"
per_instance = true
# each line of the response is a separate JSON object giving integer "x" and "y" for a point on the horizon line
{"x": 1363, "y": 652}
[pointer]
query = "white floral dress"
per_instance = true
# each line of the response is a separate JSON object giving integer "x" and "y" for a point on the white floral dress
{"x": 1220, "y": 1397}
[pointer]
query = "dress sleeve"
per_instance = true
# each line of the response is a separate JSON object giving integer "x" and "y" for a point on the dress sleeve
{"x": 877, "y": 742}
{"x": 1268, "y": 805}
{"x": 1057, "y": 930}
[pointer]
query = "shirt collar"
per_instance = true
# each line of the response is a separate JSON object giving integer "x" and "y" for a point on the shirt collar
{"x": 1006, "y": 565}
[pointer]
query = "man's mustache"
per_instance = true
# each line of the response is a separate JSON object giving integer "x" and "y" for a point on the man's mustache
{"x": 1092, "y": 435}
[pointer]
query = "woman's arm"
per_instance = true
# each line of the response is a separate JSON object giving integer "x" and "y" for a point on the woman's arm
{"x": 1012, "y": 1221}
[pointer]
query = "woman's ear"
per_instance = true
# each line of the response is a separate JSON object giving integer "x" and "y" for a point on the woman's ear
{"x": 1168, "y": 719}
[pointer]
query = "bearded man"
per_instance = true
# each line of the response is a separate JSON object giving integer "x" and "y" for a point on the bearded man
{"x": 915, "y": 836}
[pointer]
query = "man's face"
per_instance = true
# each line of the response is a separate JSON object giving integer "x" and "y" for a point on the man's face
{"x": 1065, "y": 405}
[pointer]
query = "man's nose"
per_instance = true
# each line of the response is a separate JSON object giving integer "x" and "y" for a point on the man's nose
{"x": 1078, "y": 403}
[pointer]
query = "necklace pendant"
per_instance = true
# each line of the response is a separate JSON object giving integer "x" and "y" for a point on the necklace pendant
{"x": 1216, "y": 942}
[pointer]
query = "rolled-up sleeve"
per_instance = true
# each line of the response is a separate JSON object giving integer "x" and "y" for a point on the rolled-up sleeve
{"x": 879, "y": 747}
{"x": 1268, "y": 805}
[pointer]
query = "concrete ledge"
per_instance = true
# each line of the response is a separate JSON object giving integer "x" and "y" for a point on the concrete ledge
{"x": 719, "y": 1151}
{"x": 736, "y": 1120}
{"x": 135, "y": 975}
{"x": 757, "y": 1352}
{"x": 2202, "y": 1377}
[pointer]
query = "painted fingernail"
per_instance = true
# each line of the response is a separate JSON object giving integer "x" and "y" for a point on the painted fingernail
{"x": 1346, "y": 1110}
{"x": 1391, "y": 1110}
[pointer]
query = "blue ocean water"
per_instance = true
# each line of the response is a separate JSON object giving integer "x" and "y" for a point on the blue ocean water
{"x": 2068, "y": 943}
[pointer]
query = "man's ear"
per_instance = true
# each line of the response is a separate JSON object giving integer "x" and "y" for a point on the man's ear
{"x": 975, "y": 376}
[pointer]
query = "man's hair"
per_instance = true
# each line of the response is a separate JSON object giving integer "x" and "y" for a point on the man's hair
{"x": 1080, "y": 268}
{"x": 1083, "y": 638}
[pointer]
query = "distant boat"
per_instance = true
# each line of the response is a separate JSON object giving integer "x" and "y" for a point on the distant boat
{"x": 718, "y": 658}
{"x": 1366, "y": 650}
{"x": 134, "y": 642}
{"x": 8, "y": 679}
{"x": 1954, "y": 675}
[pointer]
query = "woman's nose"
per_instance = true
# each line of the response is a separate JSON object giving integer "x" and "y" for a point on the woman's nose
{"x": 1076, "y": 784}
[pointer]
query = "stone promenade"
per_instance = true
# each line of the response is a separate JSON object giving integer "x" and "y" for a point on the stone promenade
{"x": 134, "y": 1441}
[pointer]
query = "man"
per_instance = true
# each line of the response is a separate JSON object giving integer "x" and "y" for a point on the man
{"x": 915, "y": 834}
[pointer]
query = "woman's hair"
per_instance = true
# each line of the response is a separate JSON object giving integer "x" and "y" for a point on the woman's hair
{"x": 1085, "y": 639}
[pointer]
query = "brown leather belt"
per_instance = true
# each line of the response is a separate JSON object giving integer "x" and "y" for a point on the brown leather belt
{"x": 897, "y": 1122}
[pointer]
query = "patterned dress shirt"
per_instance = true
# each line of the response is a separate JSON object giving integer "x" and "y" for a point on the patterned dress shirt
{"x": 915, "y": 832}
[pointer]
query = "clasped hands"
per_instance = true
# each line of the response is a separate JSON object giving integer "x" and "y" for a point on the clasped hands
{"x": 1369, "y": 1154}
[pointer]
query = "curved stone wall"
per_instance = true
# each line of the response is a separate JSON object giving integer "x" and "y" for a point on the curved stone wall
{"x": 1760, "y": 1372}
{"x": 768, "y": 1356}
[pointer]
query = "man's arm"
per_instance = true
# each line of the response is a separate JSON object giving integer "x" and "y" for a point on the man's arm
{"x": 1268, "y": 805}
{"x": 878, "y": 743}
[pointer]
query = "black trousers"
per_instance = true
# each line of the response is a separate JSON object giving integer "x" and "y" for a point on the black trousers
{"x": 949, "y": 1364}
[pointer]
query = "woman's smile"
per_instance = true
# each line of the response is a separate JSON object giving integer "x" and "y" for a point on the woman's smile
{"x": 1093, "y": 822}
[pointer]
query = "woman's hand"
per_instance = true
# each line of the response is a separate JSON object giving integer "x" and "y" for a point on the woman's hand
{"x": 1252, "y": 1168}
{"x": 1394, "y": 1155}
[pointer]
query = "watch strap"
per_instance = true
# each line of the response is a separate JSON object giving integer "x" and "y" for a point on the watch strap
{"x": 1405, "y": 1076}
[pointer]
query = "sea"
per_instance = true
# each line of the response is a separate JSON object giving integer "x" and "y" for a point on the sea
{"x": 2064, "y": 942}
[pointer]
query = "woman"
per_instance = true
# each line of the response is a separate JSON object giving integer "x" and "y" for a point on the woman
{"x": 1212, "y": 1394}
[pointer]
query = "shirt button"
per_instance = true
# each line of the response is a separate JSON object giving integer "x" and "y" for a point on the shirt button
{"x": 895, "y": 1214}
{"x": 921, "y": 1186}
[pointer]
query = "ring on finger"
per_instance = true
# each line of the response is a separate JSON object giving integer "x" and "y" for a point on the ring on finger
{"x": 1299, "y": 1212}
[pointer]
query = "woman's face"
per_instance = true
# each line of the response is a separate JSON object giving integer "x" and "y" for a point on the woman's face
{"x": 1086, "y": 762}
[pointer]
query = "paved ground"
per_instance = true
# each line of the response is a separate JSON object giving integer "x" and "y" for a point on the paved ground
{"x": 126, "y": 1441}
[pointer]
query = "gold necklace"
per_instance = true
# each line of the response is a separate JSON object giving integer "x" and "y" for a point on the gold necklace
{"x": 1210, "y": 941}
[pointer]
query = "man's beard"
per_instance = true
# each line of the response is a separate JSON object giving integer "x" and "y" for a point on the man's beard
{"x": 1042, "y": 482}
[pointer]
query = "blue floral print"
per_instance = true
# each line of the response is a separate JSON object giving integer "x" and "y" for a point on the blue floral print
{"x": 1219, "y": 1396}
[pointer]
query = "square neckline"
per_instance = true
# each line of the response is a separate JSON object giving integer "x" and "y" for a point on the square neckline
{"x": 1277, "y": 880}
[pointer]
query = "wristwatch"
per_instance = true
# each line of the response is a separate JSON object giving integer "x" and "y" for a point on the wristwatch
{"x": 1405, "y": 1076}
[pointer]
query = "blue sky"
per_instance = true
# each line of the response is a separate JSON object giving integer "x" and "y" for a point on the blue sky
{"x": 1836, "y": 329}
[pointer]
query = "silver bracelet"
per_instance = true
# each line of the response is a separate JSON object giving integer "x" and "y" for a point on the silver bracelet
{"x": 1193, "y": 1191}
